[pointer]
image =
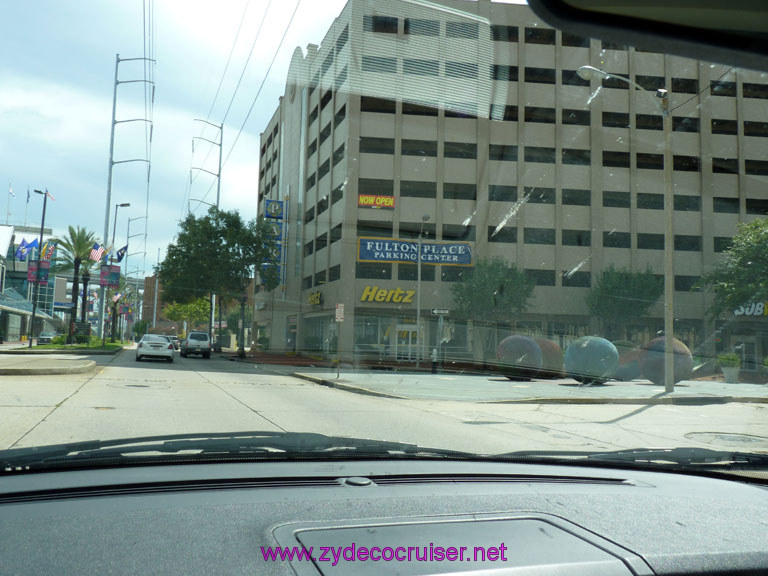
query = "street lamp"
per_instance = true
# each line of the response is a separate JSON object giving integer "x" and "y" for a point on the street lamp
{"x": 424, "y": 219}
{"x": 112, "y": 259}
{"x": 36, "y": 289}
{"x": 662, "y": 104}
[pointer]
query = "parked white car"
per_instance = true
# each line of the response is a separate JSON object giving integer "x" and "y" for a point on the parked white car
{"x": 154, "y": 346}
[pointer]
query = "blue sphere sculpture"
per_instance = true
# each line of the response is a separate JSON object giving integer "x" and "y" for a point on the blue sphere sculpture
{"x": 519, "y": 357}
{"x": 591, "y": 360}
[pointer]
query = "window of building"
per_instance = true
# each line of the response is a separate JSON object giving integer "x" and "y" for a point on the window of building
{"x": 685, "y": 203}
{"x": 685, "y": 85}
{"x": 306, "y": 283}
{"x": 615, "y": 199}
{"x": 381, "y": 24}
{"x": 325, "y": 133}
{"x": 504, "y": 72}
{"x": 502, "y": 193}
{"x": 720, "y": 126}
{"x": 686, "y": 163}
{"x": 540, "y": 36}
{"x": 335, "y": 234}
{"x": 650, "y": 241}
{"x": 418, "y": 148}
{"x": 502, "y": 33}
{"x": 720, "y": 88}
{"x": 418, "y": 67}
{"x": 540, "y": 75}
{"x": 649, "y": 122}
{"x": 725, "y": 165}
{"x": 506, "y": 234}
{"x": 420, "y": 27}
{"x": 379, "y": 105}
{"x": 375, "y": 186}
{"x": 576, "y": 157}
{"x": 539, "y": 154}
{"x": 576, "y": 237}
{"x": 452, "y": 273}
{"x": 687, "y": 243}
{"x": 722, "y": 243}
{"x": 460, "y": 110}
{"x": 312, "y": 116}
{"x": 651, "y": 83}
{"x": 311, "y": 181}
{"x": 752, "y": 128}
{"x": 322, "y": 205}
{"x": 314, "y": 82}
{"x": 309, "y": 248}
{"x": 372, "y": 145}
{"x": 753, "y": 167}
{"x": 725, "y": 205}
{"x": 410, "y": 230}
{"x": 617, "y": 239}
{"x": 334, "y": 273}
{"x": 751, "y": 90}
{"x": 502, "y": 152}
{"x": 342, "y": 39}
{"x": 461, "y": 29}
{"x": 321, "y": 241}
{"x": 683, "y": 124}
{"x": 418, "y": 109}
{"x": 541, "y": 277}
{"x": 502, "y": 113}
{"x": 411, "y": 272}
{"x": 572, "y": 78}
{"x": 453, "y": 191}
{"x": 650, "y": 201}
{"x": 337, "y": 193}
{"x": 374, "y": 228}
{"x": 574, "y": 197}
{"x": 574, "y": 41}
{"x": 379, "y": 64}
{"x": 614, "y": 159}
{"x": 576, "y": 279}
{"x": 543, "y": 115}
{"x": 460, "y": 150}
{"x": 606, "y": 45}
{"x": 687, "y": 283}
{"x": 373, "y": 270}
{"x": 340, "y": 79}
{"x": 325, "y": 167}
{"x": 338, "y": 154}
{"x": 458, "y": 232}
{"x": 327, "y": 63}
{"x": 576, "y": 117}
{"x": 539, "y": 195}
{"x": 650, "y": 161}
{"x": 461, "y": 70}
{"x": 416, "y": 189}
{"x": 309, "y": 215}
{"x": 539, "y": 235}
{"x": 615, "y": 81}
{"x": 757, "y": 206}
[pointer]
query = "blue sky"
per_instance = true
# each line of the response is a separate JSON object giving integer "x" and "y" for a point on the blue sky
{"x": 56, "y": 81}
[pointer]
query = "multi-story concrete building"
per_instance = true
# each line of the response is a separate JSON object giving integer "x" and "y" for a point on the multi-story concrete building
{"x": 468, "y": 121}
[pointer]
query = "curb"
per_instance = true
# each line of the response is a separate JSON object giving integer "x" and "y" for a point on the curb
{"x": 84, "y": 352}
{"x": 81, "y": 368}
{"x": 653, "y": 401}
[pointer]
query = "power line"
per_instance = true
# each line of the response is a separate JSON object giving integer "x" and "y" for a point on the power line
{"x": 701, "y": 91}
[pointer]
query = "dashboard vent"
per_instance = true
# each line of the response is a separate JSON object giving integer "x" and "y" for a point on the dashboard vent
{"x": 496, "y": 478}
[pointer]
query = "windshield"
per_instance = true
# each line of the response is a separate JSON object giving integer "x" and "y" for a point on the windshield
{"x": 442, "y": 223}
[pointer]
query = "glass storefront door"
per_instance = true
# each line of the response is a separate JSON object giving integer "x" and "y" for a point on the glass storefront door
{"x": 406, "y": 342}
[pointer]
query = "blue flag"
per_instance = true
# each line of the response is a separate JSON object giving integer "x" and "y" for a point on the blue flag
{"x": 21, "y": 251}
{"x": 121, "y": 253}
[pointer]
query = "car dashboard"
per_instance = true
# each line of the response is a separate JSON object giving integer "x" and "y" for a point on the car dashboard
{"x": 230, "y": 517}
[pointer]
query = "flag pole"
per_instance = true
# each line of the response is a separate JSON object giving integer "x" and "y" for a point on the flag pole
{"x": 8, "y": 206}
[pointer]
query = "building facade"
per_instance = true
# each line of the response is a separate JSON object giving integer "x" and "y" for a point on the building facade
{"x": 466, "y": 123}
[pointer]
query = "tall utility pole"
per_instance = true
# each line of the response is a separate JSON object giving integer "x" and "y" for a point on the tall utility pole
{"x": 36, "y": 289}
{"x": 157, "y": 287}
{"x": 112, "y": 162}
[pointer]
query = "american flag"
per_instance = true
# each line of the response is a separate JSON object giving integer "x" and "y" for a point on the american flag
{"x": 97, "y": 252}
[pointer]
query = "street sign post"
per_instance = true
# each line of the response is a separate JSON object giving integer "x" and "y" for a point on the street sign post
{"x": 339, "y": 312}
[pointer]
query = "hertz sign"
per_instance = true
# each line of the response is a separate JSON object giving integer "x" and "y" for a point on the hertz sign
{"x": 376, "y": 294}
{"x": 375, "y": 201}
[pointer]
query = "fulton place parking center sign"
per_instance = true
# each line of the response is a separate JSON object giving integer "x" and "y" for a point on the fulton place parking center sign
{"x": 394, "y": 250}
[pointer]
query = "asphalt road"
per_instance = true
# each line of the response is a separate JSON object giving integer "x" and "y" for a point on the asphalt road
{"x": 124, "y": 398}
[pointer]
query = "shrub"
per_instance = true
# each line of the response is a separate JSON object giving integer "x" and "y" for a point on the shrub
{"x": 61, "y": 339}
{"x": 729, "y": 360}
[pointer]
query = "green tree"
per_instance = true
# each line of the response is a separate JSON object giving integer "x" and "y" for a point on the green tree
{"x": 73, "y": 255}
{"x": 742, "y": 276}
{"x": 140, "y": 328}
{"x": 492, "y": 293}
{"x": 620, "y": 297}
{"x": 193, "y": 313}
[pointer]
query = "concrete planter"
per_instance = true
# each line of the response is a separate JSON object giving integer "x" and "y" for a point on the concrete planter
{"x": 731, "y": 374}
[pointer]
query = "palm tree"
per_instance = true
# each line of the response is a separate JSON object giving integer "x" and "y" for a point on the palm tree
{"x": 73, "y": 255}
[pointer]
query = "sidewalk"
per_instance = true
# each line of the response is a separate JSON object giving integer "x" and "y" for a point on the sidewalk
{"x": 16, "y": 361}
{"x": 496, "y": 389}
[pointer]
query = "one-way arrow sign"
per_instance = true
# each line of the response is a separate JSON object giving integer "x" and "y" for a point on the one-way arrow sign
{"x": 440, "y": 311}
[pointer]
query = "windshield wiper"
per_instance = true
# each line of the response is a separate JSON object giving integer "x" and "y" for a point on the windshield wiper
{"x": 681, "y": 456}
{"x": 207, "y": 446}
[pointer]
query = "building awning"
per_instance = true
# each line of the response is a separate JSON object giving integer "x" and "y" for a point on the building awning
{"x": 14, "y": 303}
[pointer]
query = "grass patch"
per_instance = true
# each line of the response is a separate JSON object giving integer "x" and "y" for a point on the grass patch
{"x": 107, "y": 346}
